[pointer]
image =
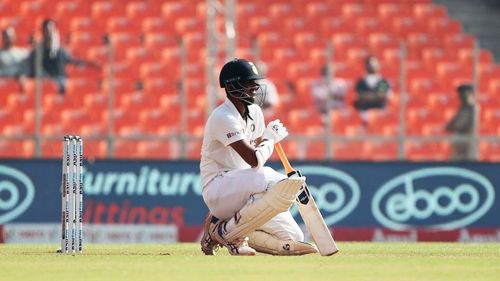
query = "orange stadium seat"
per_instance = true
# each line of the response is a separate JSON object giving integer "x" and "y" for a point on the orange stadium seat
{"x": 384, "y": 151}
{"x": 158, "y": 25}
{"x": 52, "y": 148}
{"x": 84, "y": 23}
{"x": 142, "y": 9}
{"x": 106, "y": 8}
{"x": 352, "y": 150}
{"x": 19, "y": 102}
{"x": 369, "y": 25}
{"x": 154, "y": 149}
{"x": 95, "y": 149}
{"x": 146, "y": 39}
{"x": 94, "y": 130}
{"x": 350, "y": 11}
{"x": 126, "y": 149}
{"x": 193, "y": 149}
{"x": 427, "y": 11}
{"x": 331, "y": 26}
{"x": 178, "y": 9}
{"x": 122, "y": 24}
{"x": 16, "y": 148}
{"x": 10, "y": 116}
{"x": 489, "y": 151}
{"x": 72, "y": 9}
{"x": 432, "y": 151}
{"x": 391, "y": 9}
{"x": 312, "y": 150}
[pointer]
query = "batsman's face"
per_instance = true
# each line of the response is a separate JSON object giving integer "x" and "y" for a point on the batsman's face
{"x": 250, "y": 88}
{"x": 248, "y": 92}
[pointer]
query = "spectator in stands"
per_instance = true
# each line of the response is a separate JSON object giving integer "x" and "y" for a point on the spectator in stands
{"x": 13, "y": 60}
{"x": 55, "y": 57}
{"x": 272, "y": 99}
{"x": 328, "y": 93}
{"x": 462, "y": 124}
{"x": 372, "y": 90}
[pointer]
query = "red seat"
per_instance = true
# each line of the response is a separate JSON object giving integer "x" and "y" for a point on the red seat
{"x": 443, "y": 26}
{"x": 139, "y": 10}
{"x": 332, "y": 26}
{"x": 369, "y": 25}
{"x": 391, "y": 9}
{"x": 427, "y": 11}
{"x": 94, "y": 149}
{"x": 8, "y": 86}
{"x": 106, "y": 8}
{"x": 126, "y": 149}
{"x": 122, "y": 24}
{"x": 189, "y": 24}
{"x": 353, "y": 150}
{"x": 16, "y": 148}
{"x": 429, "y": 151}
{"x": 157, "y": 25}
{"x": 294, "y": 150}
{"x": 160, "y": 121}
{"x": 350, "y": 11}
{"x": 384, "y": 151}
{"x": 171, "y": 11}
{"x": 314, "y": 150}
{"x": 160, "y": 40}
{"x": 159, "y": 70}
{"x": 86, "y": 24}
{"x": 489, "y": 151}
{"x": 52, "y": 149}
{"x": 315, "y": 10}
{"x": 193, "y": 149}
{"x": 158, "y": 149}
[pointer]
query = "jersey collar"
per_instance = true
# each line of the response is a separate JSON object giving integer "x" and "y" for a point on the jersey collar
{"x": 232, "y": 108}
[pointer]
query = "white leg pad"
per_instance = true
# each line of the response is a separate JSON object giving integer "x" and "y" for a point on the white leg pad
{"x": 259, "y": 210}
{"x": 267, "y": 243}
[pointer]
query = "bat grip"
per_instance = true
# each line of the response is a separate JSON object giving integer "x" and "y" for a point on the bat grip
{"x": 283, "y": 158}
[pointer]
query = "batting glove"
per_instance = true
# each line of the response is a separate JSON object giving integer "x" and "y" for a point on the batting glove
{"x": 275, "y": 131}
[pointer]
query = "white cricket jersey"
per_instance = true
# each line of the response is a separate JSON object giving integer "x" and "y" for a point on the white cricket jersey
{"x": 225, "y": 126}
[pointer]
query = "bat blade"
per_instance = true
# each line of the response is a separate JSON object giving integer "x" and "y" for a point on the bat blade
{"x": 310, "y": 213}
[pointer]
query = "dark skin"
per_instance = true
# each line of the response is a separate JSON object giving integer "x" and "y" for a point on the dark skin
{"x": 244, "y": 149}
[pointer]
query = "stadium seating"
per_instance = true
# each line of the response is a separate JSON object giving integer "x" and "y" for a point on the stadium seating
{"x": 145, "y": 77}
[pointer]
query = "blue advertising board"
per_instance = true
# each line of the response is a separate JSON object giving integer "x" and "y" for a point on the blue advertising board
{"x": 392, "y": 195}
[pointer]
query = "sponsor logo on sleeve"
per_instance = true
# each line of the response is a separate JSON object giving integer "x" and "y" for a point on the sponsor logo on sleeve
{"x": 232, "y": 134}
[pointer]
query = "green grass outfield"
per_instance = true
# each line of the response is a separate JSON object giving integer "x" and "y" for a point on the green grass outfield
{"x": 356, "y": 261}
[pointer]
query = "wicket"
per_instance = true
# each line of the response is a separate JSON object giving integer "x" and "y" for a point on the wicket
{"x": 72, "y": 195}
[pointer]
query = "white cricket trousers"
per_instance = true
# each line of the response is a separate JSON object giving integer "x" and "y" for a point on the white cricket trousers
{"x": 227, "y": 193}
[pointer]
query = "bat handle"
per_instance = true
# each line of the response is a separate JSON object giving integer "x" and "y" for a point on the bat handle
{"x": 283, "y": 158}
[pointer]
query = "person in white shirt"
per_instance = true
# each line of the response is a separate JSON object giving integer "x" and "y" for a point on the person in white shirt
{"x": 13, "y": 60}
{"x": 248, "y": 202}
{"x": 328, "y": 93}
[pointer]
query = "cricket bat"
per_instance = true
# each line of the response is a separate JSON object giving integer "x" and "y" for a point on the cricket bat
{"x": 309, "y": 212}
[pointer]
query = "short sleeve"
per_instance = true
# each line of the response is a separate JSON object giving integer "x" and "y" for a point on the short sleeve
{"x": 383, "y": 86}
{"x": 227, "y": 129}
{"x": 360, "y": 86}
